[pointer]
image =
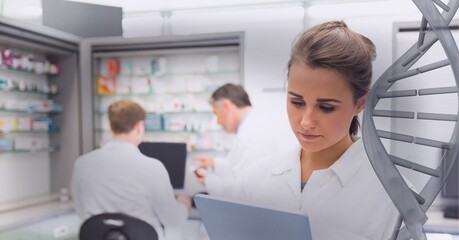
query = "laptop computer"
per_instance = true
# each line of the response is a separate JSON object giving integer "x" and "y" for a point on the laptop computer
{"x": 224, "y": 220}
{"x": 172, "y": 155}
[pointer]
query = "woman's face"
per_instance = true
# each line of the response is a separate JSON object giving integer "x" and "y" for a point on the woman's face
{"x": 320, "y": 107}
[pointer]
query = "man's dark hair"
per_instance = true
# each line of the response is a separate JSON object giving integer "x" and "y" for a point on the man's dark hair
{"x": 235, "y": 93}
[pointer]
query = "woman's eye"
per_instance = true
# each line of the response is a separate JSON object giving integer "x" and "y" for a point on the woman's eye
{"x": 327, "y": 109}
{"x": 297, "y": 103}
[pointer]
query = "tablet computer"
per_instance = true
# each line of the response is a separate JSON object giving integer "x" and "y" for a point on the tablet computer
{"x": 227, "y": 220}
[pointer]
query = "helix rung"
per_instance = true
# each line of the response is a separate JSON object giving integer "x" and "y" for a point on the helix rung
{"x": 418, "y": 197}
{"x": 403, "y": 75}
{"x": 417, "y": 71}
{"x": 414, "y": 166}
{"x": 437, "y": 116}
{"x": 432, "y": 143}
{"x": 401, "y": 93}
{"x": 422, "y": 32}
{"x": 395, "y": 136}
{"x": 393, "y": 114}
{"x": 441, "y": 90}
{"x": 433, "y": 66}
{"x": 442, "y": 5}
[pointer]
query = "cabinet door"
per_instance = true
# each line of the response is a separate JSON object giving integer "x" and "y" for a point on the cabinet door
{"x": 73, "y": 223}
{"x": 62, "y": 227}
{"x": 29, "y": 232}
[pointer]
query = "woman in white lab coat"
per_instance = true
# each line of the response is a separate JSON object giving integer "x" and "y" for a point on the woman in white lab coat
{"x": 328, "y": 176}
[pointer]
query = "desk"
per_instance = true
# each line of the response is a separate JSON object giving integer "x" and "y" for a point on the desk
{"x": 438, "y": 224}
{"x": 50, "y": 220}
{"x": 58, "y": 220}
{"x": 26, "y": 215}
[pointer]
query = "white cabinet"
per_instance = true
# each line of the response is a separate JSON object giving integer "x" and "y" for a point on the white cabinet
{"x": 173, "y": 86}
{"x": 27, "y": 101}
{"x": 64, "y": 227}
{"x": 23, "y": 233}
{"x": 38, "y": 104}
{"x": 61, "y": 227}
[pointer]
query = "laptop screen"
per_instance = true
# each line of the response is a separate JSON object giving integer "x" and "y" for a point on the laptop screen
{"x": 172, "y": 155}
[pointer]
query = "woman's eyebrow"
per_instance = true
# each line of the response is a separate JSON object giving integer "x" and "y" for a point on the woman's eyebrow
{"x": 321, "y": 100}
{"x": 295, "y": 95}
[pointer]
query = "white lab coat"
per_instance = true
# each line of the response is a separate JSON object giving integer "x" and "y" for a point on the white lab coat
{"x": 255, "y": 138}
{"x": 345, "y": 201}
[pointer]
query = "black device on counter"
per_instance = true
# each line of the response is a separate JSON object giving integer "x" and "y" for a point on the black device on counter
{"x": 172, "y": 155}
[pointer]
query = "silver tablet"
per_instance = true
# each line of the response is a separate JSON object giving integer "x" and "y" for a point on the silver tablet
{"x": 232, "y": 220}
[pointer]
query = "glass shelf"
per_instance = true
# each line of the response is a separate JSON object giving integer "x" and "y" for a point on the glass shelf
{"x": 154, "y": 94}
{"x": 28, "y": 112}
{"x": 191, "y": 112}
{"x": 28, "y": 91}
{"x": 7, "y": 68}
{"x": 166, "y": 113}
{"x": 48, "y": 149}
{"x": 30, "y": 131}
{"x": 171, "y": 74}
{"x": 167, "y": 131}
{"x": 196, "y": 151}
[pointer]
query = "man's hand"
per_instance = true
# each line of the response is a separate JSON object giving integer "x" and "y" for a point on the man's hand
{"x": 205, "y": 162}
{"x": 201, "y": 175}
{"x": 185, "y": 200}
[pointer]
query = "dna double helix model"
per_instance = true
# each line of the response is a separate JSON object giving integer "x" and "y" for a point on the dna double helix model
{"x": 412, "y": 204}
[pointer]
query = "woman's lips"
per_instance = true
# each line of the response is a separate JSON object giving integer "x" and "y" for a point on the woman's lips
{"x": 309, "y": 136}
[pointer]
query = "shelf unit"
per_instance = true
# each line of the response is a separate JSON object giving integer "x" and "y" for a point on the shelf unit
{"x": 46, "y": 150}
{"x": 171, "y": 77}
{"x": 41, "y": 169}
{"x": 27, "y": 91}
{"x": 26, "y": 113}
{"x": 169, "y": 99}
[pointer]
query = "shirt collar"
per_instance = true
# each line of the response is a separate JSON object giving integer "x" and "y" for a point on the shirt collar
{"x": 344, "y": 168}
{"x": 120, "y": 143}
{"x": 241, "y": 124}
{"x": 350, "y": 162}
{"x": 287, "y": 161}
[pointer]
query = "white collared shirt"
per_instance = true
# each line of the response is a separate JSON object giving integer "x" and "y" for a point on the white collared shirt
{"x": 345, "y": 201}
{"x": 118, "y": 178}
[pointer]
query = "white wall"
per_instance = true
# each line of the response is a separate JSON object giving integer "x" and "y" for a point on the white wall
{"x": 269, "y": 34}
{"x": 372, "y": 19}
{"x": 444, "y": 104}
{"x": 375, "y": 20}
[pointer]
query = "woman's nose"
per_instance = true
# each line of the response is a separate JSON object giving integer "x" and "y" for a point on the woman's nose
{"x": 308, "y": 119}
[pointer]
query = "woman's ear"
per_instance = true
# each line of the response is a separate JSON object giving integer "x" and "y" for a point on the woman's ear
{"x": 361, "y": 103}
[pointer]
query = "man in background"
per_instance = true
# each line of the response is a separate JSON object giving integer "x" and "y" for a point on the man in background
{"x": 118, "y": 178}
{"x": 254, "y": 139}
